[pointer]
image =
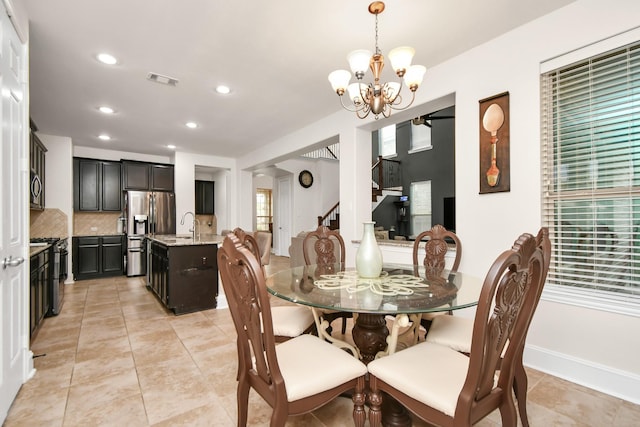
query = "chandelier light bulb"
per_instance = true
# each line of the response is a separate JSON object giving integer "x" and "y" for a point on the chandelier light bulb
{"x": 339, "y": 80}
{"x": 359, "y": 62}
{"x": 401, "y": 58}
{"x": 414, "y": 75}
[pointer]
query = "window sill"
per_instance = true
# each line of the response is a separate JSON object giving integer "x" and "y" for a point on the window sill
{"x": 418, "y": 150}
{"x": 613, "y": 302}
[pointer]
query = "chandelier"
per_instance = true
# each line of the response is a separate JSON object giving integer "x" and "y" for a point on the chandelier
{"x": 378, "y": 98}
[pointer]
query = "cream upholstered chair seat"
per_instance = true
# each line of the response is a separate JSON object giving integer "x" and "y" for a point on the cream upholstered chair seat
{"x": 291, "y": 321}
{"x": 454, "y": 332}
{"x": 300, "y": 359}
{"x": 437, "y": 383}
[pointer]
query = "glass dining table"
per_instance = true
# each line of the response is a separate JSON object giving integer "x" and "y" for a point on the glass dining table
{"x": 401, "y": 290}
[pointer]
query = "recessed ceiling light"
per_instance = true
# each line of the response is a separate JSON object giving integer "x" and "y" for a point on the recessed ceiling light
{"x": 106, "y": 110}
{"x": 191, "y": 125}
{"x": 171, "y": 147}
{"x": 105, "y": 58}
{"x": 222, "y": 89}
{"x": 104, "y": 137}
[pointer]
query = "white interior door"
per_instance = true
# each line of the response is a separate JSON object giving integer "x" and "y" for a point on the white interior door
{"x": 283, "y": 215}
{"x": 14, "y": 283}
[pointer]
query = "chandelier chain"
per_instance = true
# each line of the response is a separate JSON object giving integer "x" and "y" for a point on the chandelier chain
{"x": 377, "y": 48}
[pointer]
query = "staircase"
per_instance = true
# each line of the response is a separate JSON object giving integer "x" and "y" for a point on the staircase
{"x": 386, "y": 177}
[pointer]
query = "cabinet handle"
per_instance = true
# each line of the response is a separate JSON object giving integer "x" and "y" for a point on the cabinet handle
{"x": 12, "y": 262}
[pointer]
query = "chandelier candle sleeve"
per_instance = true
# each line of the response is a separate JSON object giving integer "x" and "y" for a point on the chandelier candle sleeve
{"x": 377, "y": 97}
{"x": 368, "y": 256}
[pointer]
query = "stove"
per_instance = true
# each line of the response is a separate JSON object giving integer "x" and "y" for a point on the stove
{"x": 58, "y": 271}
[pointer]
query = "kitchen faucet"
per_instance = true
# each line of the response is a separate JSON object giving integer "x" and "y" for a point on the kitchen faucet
{"x": 195, "y": 221}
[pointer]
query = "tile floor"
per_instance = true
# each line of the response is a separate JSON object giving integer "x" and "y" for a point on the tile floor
{"x": 115, "y": 356}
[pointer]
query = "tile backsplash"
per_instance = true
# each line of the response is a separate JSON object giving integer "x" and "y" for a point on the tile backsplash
{"x": 208, "y": 224}
{"x": 53, "y": 223}
{"x": 48, "y": 223}
{"x": 95, "y": 223}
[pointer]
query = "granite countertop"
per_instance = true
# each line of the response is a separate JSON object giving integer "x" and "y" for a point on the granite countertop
{"x": 388, "y": 242}
{"x": 186, "y": 239}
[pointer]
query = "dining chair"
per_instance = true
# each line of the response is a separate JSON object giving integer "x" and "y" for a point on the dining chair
{"x": 434, "y": 245}
{"x": 321, "y": 243}
{"x": 288, "y": 320}
{"x": 450, "y": 388}
{"x": 294, "y": 377}
{"x": 456, "y": 332}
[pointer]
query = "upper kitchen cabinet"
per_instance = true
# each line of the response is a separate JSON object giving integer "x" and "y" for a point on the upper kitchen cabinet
{"x": 97, "y": 185}
{"x": 204, "y": 197}
{"x": 162, "y": 177}
{"x": 37, "y": 152}
{"x": 135, "y": 175}
{"x": 147, "y": 176}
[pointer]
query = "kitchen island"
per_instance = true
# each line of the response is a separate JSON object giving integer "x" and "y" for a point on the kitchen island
{"x": 183, "y": 271}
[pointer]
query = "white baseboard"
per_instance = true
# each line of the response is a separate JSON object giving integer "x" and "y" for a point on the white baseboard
{"x": 621, "y": 384}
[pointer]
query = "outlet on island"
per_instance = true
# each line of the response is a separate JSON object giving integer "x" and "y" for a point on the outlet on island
{"x": 94, "y": 228}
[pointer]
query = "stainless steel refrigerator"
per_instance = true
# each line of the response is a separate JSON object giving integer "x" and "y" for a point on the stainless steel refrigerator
{"x": 147, "y": 212}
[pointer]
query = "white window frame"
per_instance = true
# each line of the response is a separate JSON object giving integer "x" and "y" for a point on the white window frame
{"x": 387, "y": 141}
{"x": 420, "y": 138}
{"x": 421, "y": 207}
{"x": 624, "y": 302}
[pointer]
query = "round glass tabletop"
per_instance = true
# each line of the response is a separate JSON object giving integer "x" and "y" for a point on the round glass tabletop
{"x": 397, "y": 290}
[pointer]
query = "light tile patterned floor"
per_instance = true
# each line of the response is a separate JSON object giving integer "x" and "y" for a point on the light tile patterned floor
{"x": 115, "y": 356}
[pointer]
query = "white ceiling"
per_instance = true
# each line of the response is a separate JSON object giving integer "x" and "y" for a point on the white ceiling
{"x": 275, "y": 55}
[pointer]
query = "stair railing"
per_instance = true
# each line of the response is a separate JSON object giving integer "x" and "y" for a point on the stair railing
{"x": 332, "y": 218}
{"x": 386, "y": 174}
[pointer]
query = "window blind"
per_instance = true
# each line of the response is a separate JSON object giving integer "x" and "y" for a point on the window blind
{"x": 591, "y": 177}
{"x": 420, "y": 137}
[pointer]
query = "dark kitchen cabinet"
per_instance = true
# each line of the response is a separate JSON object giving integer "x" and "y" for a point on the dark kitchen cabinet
{"x": 97, "y": 256}
{"x": 159, "y": 270}
{"x": 147, "y": 176}
{"x": 37, "y": 152}
{"x": 40, "y": 269}
{"x": 184, "y": 278}
{"x": 161, "y": 177}
{"x": 204, "y": 197}
{"x": 135, "y": 175}
{"x": 97, "y": 185}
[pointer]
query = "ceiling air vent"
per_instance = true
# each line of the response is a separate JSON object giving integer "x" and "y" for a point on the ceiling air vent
{"x": 165, "y": 80}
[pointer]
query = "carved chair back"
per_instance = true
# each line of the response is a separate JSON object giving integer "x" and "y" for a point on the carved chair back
{"x": 508, "y": 299}
{"x": 324, "y": 247}
{"x": 436, "y": 248}
{"x": 245, "y": 288}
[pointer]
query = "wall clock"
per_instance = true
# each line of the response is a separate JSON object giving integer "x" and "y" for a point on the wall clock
{"x": 305, "y": 178}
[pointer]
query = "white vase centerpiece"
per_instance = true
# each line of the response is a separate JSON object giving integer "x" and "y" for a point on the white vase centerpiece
{"x": 369, "y": 256}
